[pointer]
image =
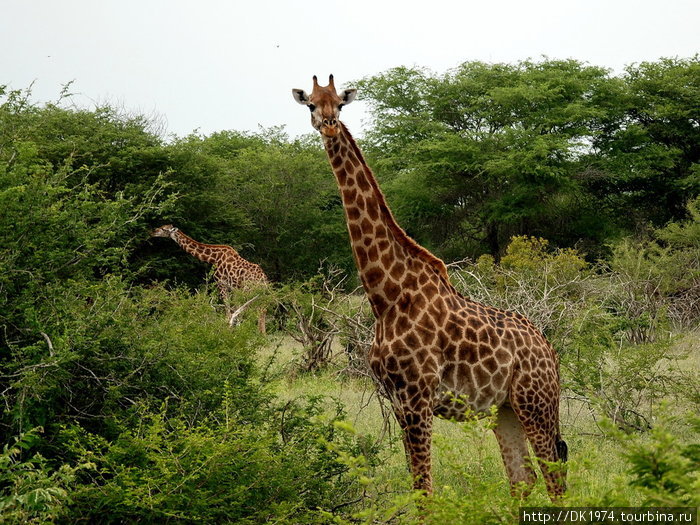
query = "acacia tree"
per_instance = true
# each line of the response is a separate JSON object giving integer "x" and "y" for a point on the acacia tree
{"x": 486, "y": 151}
{"x": 646, "y": 161}
{"x": 557, "y": 149}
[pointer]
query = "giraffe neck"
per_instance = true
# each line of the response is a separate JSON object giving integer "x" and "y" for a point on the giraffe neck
{"x": 388, "y": 260}
{"x": 209, "y": 253}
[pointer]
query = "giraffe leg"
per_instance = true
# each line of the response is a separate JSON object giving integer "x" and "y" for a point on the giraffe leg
{"x": 513, "y": 443}
{"x": 417, "y": 427}
{"x": 538, "y": 414}
{"x": 411, "y": 387}
{"x": 546, "y": 448}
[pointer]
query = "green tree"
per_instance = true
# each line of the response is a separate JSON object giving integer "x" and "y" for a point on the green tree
{"x": 273, "y": 199}
{"x": 117, "y": 151}
{"x": 486, "y": 151}
{"x": 646, "y": 155}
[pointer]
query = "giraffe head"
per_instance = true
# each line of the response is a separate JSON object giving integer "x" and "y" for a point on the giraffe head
{"x": 167, "y": 230}
{"x": 325, "y": 104}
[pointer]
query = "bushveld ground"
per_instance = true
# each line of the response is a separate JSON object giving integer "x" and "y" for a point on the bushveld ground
{"x": 466, "y": 458}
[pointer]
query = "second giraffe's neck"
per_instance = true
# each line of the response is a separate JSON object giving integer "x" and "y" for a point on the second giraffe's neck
{"x": 385, "y": 255}
{"x": 204, "y": 252}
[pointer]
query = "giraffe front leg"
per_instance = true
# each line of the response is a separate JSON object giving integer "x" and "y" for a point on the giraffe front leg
{"x": 417, "y": 428}
{"x": 411, "y": 386}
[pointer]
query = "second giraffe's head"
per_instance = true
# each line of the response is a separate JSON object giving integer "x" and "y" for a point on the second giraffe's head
{"x": 325, "y": 104}
{"x": 167, "y": 230}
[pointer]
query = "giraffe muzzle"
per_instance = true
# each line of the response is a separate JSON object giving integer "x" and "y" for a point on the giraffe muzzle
{"x": 329, "y": 127}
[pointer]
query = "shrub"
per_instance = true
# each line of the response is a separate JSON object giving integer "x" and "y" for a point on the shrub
{"x": 662, "y": 468}
{"x": 665, "y": 469}
{"x": 220, "y": 470}
{"x": 550, "y": 287}
{"x": 622, "y": 382}
{"x": 112, "y": 348}
{"x": 30, "y": 490}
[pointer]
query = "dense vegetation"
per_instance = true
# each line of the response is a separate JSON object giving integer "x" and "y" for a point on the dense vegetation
{"x": 554, "y": 188}
{"x": 556, "y": 149}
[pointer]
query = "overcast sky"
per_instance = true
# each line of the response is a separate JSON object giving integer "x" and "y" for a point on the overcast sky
{"x": 211, "y": 65}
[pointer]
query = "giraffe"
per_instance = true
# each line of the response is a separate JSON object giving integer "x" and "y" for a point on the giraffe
{"x": 435, "y": 352}
{"x": 231, "y": 271}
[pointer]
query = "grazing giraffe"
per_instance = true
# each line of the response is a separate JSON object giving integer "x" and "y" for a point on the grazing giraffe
{"x": 231, "y": 271}
{"x": 436, "y": 352}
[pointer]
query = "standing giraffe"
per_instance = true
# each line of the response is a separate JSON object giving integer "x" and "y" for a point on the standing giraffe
{"x": 231, "y": 271}
{"x": 436, "y": 352}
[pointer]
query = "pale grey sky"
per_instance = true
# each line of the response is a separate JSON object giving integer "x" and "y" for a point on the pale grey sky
{"x": 213, "y": 65}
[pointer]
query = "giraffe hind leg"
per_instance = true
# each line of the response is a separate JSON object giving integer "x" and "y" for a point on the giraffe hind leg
{"x": 547, "y": 448}
{"x": 513, "y": 443}
{"x": 539, "y": 418}
{"x": 562, "y": 450}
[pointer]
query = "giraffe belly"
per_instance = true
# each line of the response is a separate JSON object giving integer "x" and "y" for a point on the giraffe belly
{"x": 466, "y": 391}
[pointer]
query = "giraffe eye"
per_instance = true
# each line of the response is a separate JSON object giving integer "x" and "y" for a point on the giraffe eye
{"x": 312, "y": 107}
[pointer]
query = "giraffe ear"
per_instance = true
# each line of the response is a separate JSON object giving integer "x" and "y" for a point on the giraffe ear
{"x": 348, "y": 96}
{"x": 300, "y": 96}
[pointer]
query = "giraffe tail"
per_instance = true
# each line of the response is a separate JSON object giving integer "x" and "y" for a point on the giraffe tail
{"x": 562, "y": 449}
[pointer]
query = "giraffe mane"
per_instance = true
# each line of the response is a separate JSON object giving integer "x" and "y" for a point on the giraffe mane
{"x": 205, "y": 244}
{"x": 404, "y": 239}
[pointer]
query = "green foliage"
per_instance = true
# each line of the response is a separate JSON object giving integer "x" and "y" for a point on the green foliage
{"x": 308, "y": 312}
{"x": 647, "y": 161}
{"x": 549, "y": 286}
{"x": 533, "y": 257}
{"x": 498, "y": 146}
{"x": 684, "y": 234}
{"x": 659, "y": 278}
{"x": 109, "y": 347}
{"x": 639, "y": 279}
{"x": 224, "y": 469}
{"x": 153, "y": 408}
{"x": 661, "y": 467}
{"x": 30, "y": 491}
{"x": 622, "y": 382}
{"x": 273, "y": 199}
{"x": 665, "y": 469}
{"x": 114, "y": 151}
{"x": 488, "y": 151}
{"x": 682, "y": 263}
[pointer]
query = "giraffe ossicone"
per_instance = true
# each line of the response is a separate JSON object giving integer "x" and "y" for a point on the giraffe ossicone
{"x": 436, "y": 352}
{"x": 231, "y": 271}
